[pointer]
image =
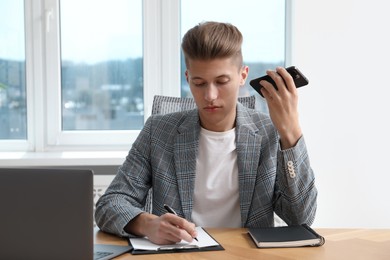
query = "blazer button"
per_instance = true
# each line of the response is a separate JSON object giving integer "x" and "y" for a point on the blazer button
{"x": 293, "y": 174}
{"x": 290, "y": 163}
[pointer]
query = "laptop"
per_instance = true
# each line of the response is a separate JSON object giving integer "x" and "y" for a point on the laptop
{"x": 48, "y": 214}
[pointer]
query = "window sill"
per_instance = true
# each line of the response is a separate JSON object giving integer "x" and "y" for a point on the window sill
{"x": 65, "y": 158}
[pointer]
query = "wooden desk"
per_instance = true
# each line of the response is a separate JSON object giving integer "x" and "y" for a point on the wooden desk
{"x": 349, "y": 244}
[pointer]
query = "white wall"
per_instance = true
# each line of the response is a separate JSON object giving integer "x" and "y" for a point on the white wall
{"x": 343, "y": 47}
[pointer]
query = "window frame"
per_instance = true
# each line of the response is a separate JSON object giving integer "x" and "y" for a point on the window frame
{"x": 161, "y": 24}
{"x": 161, "y": 68}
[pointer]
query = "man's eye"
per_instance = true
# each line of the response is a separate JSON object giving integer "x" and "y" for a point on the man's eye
{"x": 201, "y": 84}
{"x": 222, "y": 82}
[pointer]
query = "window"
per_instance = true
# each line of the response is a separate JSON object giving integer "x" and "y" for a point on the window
{"x": 81, "y": 75}
{"x": 101, "y": 65}
{"x": 13, "y": 107}
{"x": 96, "y": 67}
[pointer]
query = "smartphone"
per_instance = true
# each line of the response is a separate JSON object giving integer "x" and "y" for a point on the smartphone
{"x": 299, "y": 79}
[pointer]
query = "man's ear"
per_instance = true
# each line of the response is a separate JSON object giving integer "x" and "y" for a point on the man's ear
{"x": 244, "y": 75}
{"x": 186, "y": 74}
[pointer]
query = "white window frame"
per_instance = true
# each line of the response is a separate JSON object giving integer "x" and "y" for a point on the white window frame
{"x": 161, "y": 68}
{"x": 161, "y": 26}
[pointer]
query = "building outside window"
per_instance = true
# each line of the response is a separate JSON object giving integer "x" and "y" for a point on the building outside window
{"x": 13, "y": 109}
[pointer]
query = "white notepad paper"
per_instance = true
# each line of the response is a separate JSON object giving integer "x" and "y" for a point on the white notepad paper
{"x": 204, "y": 240}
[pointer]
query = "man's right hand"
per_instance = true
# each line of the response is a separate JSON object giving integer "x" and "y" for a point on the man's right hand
{"x": 166, "y": 229}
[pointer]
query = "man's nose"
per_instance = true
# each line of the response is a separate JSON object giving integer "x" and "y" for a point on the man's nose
{"x": 211, "y": 93}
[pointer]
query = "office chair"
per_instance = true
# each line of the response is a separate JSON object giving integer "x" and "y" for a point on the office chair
{"x": 167, "y": 104}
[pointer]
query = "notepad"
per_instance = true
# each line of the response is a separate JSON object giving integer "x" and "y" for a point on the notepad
{"x": 205, "y": 243}
{"x": 288, "y": 236}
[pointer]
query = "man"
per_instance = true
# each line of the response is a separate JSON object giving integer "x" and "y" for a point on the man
{"x": 220, "y": 165}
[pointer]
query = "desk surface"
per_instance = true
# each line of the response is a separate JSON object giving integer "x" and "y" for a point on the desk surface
{"x": 340, "y": 244}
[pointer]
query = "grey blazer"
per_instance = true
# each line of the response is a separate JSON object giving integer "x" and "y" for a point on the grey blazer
{"x": 164, "y": 156}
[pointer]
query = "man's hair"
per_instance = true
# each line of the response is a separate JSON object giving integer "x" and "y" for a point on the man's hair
{"x": 212, "y": 40}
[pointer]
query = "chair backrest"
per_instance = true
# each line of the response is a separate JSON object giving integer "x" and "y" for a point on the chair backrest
{"x": 166, "y": 104}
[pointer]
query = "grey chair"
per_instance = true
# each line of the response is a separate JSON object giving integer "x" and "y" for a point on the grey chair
{"x": 167, "y": 104}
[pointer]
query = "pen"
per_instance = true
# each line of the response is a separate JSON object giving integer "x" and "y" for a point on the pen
{"x": 170, "y": 210}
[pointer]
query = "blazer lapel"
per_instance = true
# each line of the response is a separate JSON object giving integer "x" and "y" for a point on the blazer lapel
{"x": 185, "y": 153}
{"x": 248, "y": 143}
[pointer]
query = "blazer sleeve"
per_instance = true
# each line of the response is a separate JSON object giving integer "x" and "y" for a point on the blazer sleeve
{"x": 126, "y": 195}
{"x": 295, "y": 196}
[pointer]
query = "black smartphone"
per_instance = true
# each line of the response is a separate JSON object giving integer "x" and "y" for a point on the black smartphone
{"x": 299, "y": 79}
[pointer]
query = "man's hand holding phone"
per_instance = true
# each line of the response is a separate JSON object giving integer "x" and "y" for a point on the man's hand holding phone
{"x": 299, "y": 80}
{"x": 282, "y": 101}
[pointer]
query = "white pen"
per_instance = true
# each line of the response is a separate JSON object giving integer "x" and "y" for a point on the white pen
{"x": 170, "y": 210}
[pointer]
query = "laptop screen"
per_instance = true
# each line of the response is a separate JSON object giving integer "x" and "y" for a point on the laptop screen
{"x": 46, "y": 214}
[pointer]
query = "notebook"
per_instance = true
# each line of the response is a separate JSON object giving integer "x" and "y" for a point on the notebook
{"x": 286, "y": 236}
{"x": 48, "y": 214}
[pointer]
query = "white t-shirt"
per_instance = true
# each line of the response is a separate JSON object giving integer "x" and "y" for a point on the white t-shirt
{"x": 216, "y": 195}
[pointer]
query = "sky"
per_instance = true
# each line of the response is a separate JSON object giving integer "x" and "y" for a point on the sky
{"x": 261, "y": 23}
{"x": 12, "y": 31}
{"x": 97, "y": 30}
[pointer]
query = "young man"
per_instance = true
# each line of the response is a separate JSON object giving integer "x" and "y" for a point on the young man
{"x": 220, "y": 165}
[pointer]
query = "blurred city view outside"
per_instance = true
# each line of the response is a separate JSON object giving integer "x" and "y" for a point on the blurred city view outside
{"x": 102, "y": 96}
{"x": 105, "y": 93}
{"x": 13, "y": 107}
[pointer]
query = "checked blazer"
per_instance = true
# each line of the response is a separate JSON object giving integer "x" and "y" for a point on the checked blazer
{"x": 164, "y": 157}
